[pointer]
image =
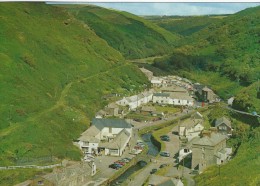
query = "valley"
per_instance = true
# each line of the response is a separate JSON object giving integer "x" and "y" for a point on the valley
{"x": 66, "y": 68}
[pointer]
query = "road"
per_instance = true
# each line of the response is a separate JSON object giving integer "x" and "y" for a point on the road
{"x": 242, "y": 112}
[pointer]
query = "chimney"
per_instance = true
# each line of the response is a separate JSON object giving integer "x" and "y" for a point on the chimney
{"x": 206, "y": 133}
{"x": 213, "y": 130}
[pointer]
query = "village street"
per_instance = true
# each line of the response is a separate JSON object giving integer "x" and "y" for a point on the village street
{"x": 172, "y": 147}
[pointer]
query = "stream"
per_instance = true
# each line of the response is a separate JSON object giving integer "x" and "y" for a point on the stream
{"x": 152, "y": 150}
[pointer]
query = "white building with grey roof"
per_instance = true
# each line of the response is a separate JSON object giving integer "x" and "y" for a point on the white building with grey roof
{"x": 108, "y": 135}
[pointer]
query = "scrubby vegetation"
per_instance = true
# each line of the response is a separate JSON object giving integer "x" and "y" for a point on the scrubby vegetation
{"x": 133, "y": 36}
{"x": 54, "y": 73}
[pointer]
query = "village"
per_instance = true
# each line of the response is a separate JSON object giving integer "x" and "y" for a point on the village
{"x": 112, "y": 141}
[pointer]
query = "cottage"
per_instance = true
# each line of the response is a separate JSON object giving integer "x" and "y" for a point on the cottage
{"x": 156, "y": 82}
{"x": 136, "y": 100}
{"x": 209, "y": 150}
{"x": 112, "y": 109}
{"x": 180, "y": 98}
{"x": 161, "y": 98}
{"x": 230, "y": 101}
{"x": 190, "y": 129}
{"x": 105, "y": 134}
{"x": 209, "y": 95}
{"x": 224, "y": 126}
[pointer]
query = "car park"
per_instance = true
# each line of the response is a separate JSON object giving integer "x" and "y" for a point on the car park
{"x": 165, "y": 154}
{"x": 153, "y": 171}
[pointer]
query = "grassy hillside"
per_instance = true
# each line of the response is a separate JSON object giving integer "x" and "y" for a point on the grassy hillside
{"x": 184, "y": 25}
{"x": 229, "y": 47}
{"x": 133, "y": 36}
{"x": 248, "y": 99}
{"x": 54, "y": 72}
{"x": 242, "y": 169}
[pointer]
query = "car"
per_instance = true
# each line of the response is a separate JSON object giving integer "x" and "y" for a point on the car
{"x": 165, "y": 154}
{"x": 164, "y": 136}
{"x": 135, "y": 151}
{"x": 114, "y": 166}
{"x": 153, "y": 171}
{"x": 165, "y": 139}
{"x": 163, "y": 165}
{"x": 120, "y": 162}
{"x": 118, "y": 165}
{"x": 125, "y": 160}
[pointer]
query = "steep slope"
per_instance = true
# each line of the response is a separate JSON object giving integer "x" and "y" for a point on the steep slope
{"x": 54, "y": 72}
{"x": 133, "y": 36}
{"x": 229, "y": 48}
{"x": 184, "y": 25}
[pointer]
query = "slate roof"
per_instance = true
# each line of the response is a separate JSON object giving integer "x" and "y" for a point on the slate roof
{"x": 161, "y": 94}
{"x": 213, "y": 140}
{"x": 114, "y": 123}
{"x": 181, "y": 95}
{"x": 89, "y": 135}
{"x": 118, "y": 141}
{"x": 173, "y": 89}
{"x": 206, "y": 89}
{"x": 224, "y": 120}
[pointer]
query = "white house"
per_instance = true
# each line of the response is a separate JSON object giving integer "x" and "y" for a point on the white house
{"x": 161, "y": 98}
{"x": 137, "y": 100}
{"x": 157, "y": 81}
{"x": 176, "y": 98}
{"x": 230, "y": 101}
{"x": 180, "y": 98}
{"x": 110, "y": 135}
{"x": 190, "y": 129}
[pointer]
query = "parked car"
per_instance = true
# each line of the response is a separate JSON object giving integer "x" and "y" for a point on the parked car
{"x": 125, "y": 160}
{"x": 114, "y": 166}
{"x": 164, "y": 136}
{"x": 120, "y": 162}
{"x": 165, "y": 154}
{"x": 153, "y": 171}
{"x": 135, "y": 151}
{"x": 165, "y": 139}
{"x": 163, "y": 165}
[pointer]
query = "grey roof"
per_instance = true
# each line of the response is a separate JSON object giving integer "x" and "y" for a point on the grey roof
{"x": 206, "y": 89}
{"x": 224, "y": 120}
{"x": 181, "y": 95}
{"x": 161, "y": 94}
{"x": 213, "y": 140}
{"x": 114, "y": 123}
{"x": 112, "y": 105}
{"x": 89, "y": 135}
{"x": 118, "y": 141}
{"x": 173, "y": 89}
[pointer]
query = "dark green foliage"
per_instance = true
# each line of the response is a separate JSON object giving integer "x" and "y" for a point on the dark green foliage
{"x": 132, "y": 36}
{"x": 184, "y": 26}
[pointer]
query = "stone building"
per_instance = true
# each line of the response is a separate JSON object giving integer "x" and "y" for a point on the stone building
{"x": 209, "y": 150}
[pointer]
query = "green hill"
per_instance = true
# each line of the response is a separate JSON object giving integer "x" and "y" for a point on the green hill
{"x": 54, "y": 72}
{"x": 184, "y": 25}
{"x": 228, "y": 48}
{"x": 133, "y": 36}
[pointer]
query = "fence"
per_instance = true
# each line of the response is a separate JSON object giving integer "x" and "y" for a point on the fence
{"x": 30, "y": 166}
